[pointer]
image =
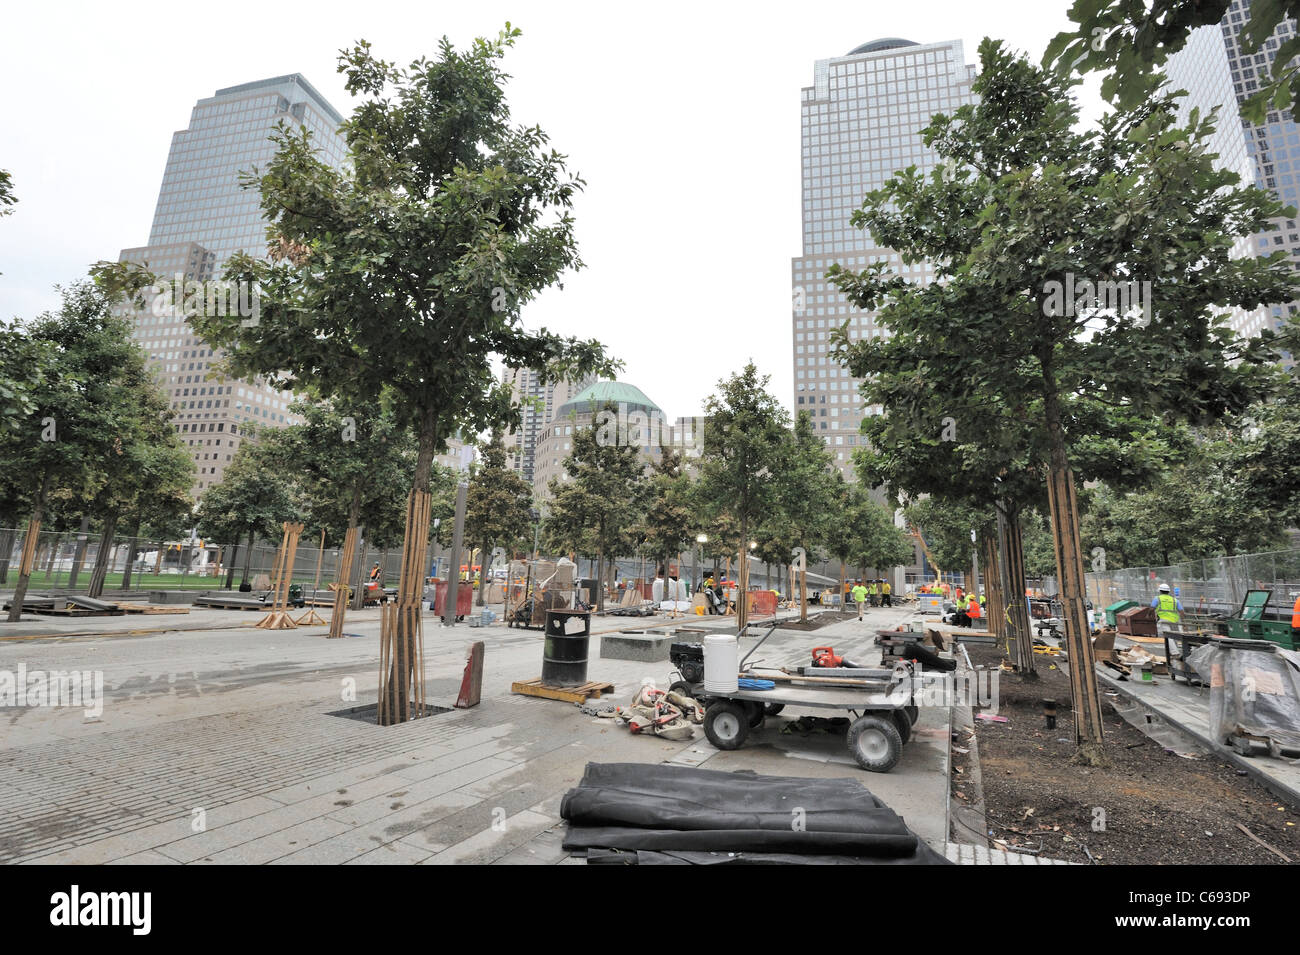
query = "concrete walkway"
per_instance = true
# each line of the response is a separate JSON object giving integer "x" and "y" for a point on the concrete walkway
{"x": 221, "y": 746}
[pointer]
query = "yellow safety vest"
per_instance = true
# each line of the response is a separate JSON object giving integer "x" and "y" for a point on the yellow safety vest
{"x": 1168, "y": 609}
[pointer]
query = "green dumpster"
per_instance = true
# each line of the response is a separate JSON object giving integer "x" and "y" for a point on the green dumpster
{"x": 1116, "y": 608}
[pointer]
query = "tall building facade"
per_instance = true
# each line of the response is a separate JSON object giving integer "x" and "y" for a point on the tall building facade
{"x": 203, "y": 216}
{"x": 621, "y": 413}
{"x": 860, "y": 122}
{"x": 1215, "y": 71}
{"x": 540, "y": 402}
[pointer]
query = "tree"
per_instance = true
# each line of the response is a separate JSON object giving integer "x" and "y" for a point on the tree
{"x": 149, "y": 477}
{"x": 669, "y": 523}
{"x": 1132, "y": 39}
{"x": 804, "y": 493}
{"x": 1024, "y": 204}
{"x": 744, "y": 437}
{"x": 353, "y": 468}
{"x": 498, "y": 506}
{"x": 253, "y": 500}
{"x": 405, "y": 271}
{"x": 86, "y": 398}
{"x": 597, "y": 508}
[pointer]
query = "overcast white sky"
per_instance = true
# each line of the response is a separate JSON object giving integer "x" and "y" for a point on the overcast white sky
{"x": 682, "y": 117}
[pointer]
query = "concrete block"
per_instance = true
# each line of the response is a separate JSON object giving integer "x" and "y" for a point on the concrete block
{"x": 643, "y": 647}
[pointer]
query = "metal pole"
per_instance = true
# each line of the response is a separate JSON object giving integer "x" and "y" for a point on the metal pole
{"x": 453, "y": 575}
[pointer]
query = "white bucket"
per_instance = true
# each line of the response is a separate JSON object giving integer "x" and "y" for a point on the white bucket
{"x": 721, "y": 663}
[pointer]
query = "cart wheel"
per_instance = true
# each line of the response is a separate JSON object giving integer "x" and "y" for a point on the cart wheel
{"x": 771, "y": 709}
{"x": 726, "y": 724}
{"x": 913, "y": 713}
{"x": 682, "y": 687}
{"x": 903, "y": 724}
{"x": 756, "y": 714}
{"x": 874, "y": 743}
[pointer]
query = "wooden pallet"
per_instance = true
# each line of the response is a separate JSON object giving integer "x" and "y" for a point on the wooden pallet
{"x": 149, "y": 608}
{"x": 569, "y": 694}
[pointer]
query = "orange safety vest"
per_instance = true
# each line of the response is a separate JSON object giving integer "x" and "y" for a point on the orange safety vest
{"x": 973, "y": 608}
{"x": 1295, "y": 615}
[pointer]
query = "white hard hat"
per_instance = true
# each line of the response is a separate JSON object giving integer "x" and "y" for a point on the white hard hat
{"x": 1164, "y": 588}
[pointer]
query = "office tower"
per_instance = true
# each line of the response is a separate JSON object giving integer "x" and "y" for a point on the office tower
{"x": 1215, "y": 71}
{"x": 540, "y": 403}
{"x": 203, "y": 216}
{"x": 861, "y": 121}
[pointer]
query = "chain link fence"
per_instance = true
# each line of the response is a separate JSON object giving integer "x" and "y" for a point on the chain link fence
{"x": 1214, "y": 585}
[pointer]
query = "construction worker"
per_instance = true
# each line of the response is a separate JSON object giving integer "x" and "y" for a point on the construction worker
{"x": 871, "y": 593}
{"x": 860, "y": 597}
{"x": 973, "y": 611}
{"x": 884, "y": 594}
{"x": 374, "y": 573}
{"x": 1295, "y": 614}
{"x": 1167, "y": 607}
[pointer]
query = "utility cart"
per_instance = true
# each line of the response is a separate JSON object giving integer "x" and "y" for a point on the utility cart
{"x": 881, "y": 701}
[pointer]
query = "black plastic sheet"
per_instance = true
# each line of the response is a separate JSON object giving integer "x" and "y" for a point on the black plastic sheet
{"x": 662, "y": 814}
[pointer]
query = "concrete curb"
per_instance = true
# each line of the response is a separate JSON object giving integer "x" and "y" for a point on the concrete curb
{"x": 1250, "y": 766}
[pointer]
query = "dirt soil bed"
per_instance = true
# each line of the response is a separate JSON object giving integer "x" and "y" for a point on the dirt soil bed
{"x": 1159, "y": 808}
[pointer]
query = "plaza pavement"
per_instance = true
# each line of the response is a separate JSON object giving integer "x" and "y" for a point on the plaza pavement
{"x": 217, "y": 746}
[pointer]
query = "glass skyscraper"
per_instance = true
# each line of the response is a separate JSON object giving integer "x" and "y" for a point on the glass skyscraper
{"x": 861, "y": 122}
{"x": 1215, "y": 71}
{"x": 203, "y": 216}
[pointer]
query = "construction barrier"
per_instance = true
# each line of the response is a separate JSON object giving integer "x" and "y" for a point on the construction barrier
{"x": 762, "y": 603}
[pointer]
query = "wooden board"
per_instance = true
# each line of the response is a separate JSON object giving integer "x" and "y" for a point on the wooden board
{"x": 149, "y": 608}
{"x": 569, "y": 694}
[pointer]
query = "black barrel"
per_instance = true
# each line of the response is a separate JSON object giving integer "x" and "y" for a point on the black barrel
{"x": 564, "y": 655}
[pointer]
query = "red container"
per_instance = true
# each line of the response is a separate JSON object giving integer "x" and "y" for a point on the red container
{"x": 464, "y": 598}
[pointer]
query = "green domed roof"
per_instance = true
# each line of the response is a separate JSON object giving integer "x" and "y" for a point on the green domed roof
{"x": 593, "y": 399}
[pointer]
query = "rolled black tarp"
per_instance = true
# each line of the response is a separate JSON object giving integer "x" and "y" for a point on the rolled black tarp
{"x": 663, "y": 808}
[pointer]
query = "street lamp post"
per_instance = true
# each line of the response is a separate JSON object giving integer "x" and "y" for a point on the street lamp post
{"x": 700, "y": 541}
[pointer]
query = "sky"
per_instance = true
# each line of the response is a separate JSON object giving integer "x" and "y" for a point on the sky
{"x": 683, "y": 118}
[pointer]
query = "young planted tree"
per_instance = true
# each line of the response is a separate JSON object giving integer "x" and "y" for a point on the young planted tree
{"x": 598, "y": 508}
{"x": 255, "y": 497}
{"x": 86, "y": 398}
{"x": 405, "y": 271}
{"x": 498, "y": 507}
{"x": 148, "y": 479}
{"x": 670, "y": 523}
{"x": 804, "y": 496}
{"x": 1023, "y": 204}
{"x": 744, "y": 438}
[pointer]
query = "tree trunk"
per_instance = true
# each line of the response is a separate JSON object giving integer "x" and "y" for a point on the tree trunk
{"x": 29, "y": 550}
{"x": 1070, "y": 574}
{"x": 843, "y": 601}
{"x": 132, "y": 546}
{"x": 600, "y": 581}
{"x": 361, "y": 574}
{"x": 742, "y": 579}
{"x": 230, "y": 561}
{"x": 407, "y": 637}
{"x": 993, "y": 610}
{"x": 6, "y": 548}
{"x": 79, "y": 552}
{"x": 100, "y": 570}
{"x": 482, "y": 574}
{"x": 248, "y": 557}
{"x": 1017, "y": 612}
